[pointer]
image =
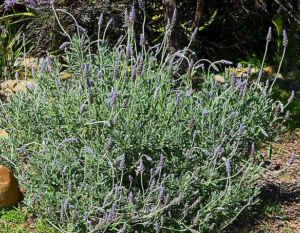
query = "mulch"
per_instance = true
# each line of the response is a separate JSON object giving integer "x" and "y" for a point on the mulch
{"x": 279, "y": 211}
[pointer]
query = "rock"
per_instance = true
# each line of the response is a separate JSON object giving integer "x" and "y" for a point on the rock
{"x": 273, "y": 75}
{"x": 10, "y": 194}
{"x": 295, "y": 74}
{"x": 293, "y": 86}
{"x": 220, "y": 78}
{"x": 25, "y": 85}
{"x": 242, "y": 75}
{"x": 4, "y": 96}
{"x": 9, "y": 84}
{"x": 65, "y": 75}
{"x": 3, "y": 134}
{"x": 271, "y": 69}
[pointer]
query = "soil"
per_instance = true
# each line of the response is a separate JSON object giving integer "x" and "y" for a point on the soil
{"x": 279, "y": 211}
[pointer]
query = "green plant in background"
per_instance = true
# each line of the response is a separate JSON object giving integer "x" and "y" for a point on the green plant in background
{"x": 42, "y": 226}
{"x": 10, "y": 50}
{"x": 14, "y": 216}
{"x": 11, "y": 45}
{"x": 13, "y": 221}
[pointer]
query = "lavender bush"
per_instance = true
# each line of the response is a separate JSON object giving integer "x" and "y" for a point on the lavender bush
{"x": 129, "y": 144}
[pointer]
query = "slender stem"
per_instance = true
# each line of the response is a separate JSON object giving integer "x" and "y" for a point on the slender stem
{"x": 263, "y": 61}
{"x": 279, "y": 67}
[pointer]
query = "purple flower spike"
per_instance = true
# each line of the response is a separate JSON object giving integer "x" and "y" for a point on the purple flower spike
{"x": 269, "y": 36}
{"x": 161, "y": 161}
{"x": 292, "y": 158}
{"x": 130, "y": 178}
{"x": 116, "y": 71}
{"x": 228, "y": 167}
{"x": 252, "y": 149}
{"x": 113, "y": 98}
{"x": 81, "y": 29}
{"x": 100, "y": 19}
{"x": 156, "y": 91}
{"x": 291, "y": 97}
{"x": 141, "y": 167}
{"x": 205, "y": 113}
{"x": 196, "y": 220}
{"x": 89, "y": 150}
{"x": 142, "y": 40}
{"x": 64, "y": 45}
{"x": 285, "y": 39}
{"x": 226, "y": 62}
{"x": 141, "y": 5}
{"x": 161, "y": 194}
{"x": 122, "y": 163}
{"x": 132, "y": 15}
{"x": 241, "y": 130}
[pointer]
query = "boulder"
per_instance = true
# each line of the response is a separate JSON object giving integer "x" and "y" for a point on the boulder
{"x": 293, "y": 86}
{"x": 4, "y": 96}
{"x": 24, "y": 86}
{"x": 271, "y": 69}
{"x": 278, "y": 77}
{"x": 10, "y": 194}
{"x": 64, "y": 76}
{"x": 9, "y": 84}
{"x": 220, "y": 78}
{"x": 295, "y": 74}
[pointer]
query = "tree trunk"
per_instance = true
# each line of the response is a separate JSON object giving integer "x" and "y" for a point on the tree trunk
{"x": 198, "y": 14}
{"x": 169, "y": 6}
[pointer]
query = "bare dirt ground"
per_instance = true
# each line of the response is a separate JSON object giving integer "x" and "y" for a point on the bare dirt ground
{"x": 279, "y": 211}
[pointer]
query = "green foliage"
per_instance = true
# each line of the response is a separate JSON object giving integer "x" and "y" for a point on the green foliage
{"x": 14, "y": 216}
{"x": 10, "y": 47}
{"x": 13, "y": 221}
{"x": 42, "y": 226}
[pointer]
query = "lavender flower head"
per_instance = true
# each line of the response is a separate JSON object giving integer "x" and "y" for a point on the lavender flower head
{"x": 226, "y": 62}
{"x": 122, "y": 163}
{"x": 269, "y": 36}
{"x": 205, "y": 113}
{"x": 156, "y": 91}
{"x": 141, "y": 5}
{"x": 291, "y": 97}
{"x": 161, "y": 161}
{"x": 64, "y": 45}
{"x": 228, "y": 167}
{"x": 292, "y": 159}
{"x": 193, "y": 37}
{"x": 89, "y": 149}
{"x": 142, "y": 40}
{"x": 141, "y": 167}
{"x": 285, "y": 39}
{"x": 196, "y": 220}
{"x": 100, "y": 19}
{"x": 241, "y": 130}
{"x": 132, "y": 15}
{"x": 130, "y": 178}
{"x": 81, "y": 29}
{"x": 113, "y": 98}
{"x": 116, "y": 71}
